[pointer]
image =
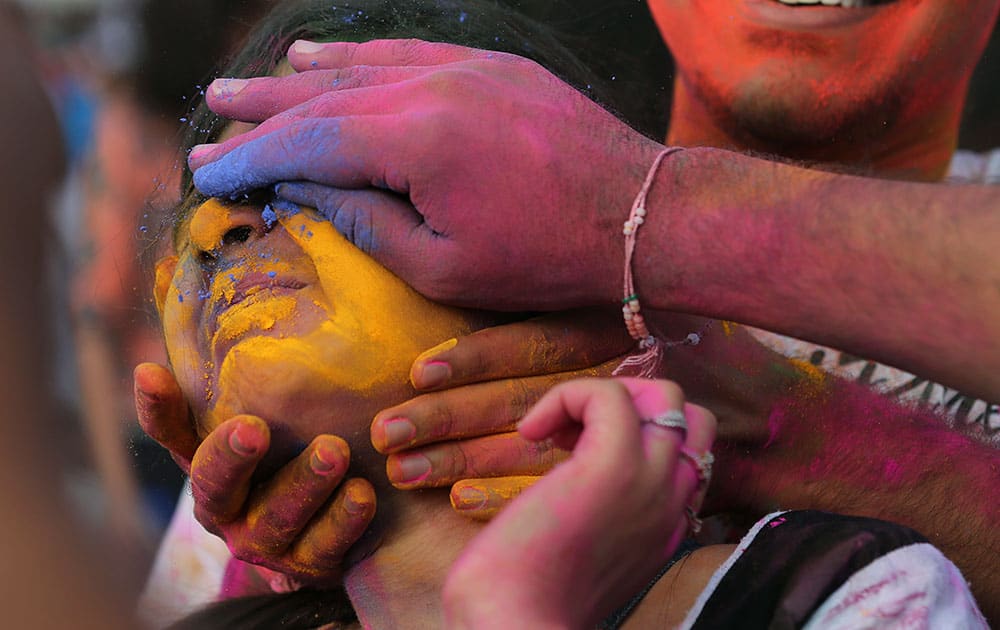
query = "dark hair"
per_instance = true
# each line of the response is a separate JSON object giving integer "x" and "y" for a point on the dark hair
{"x": 304, "y": 609}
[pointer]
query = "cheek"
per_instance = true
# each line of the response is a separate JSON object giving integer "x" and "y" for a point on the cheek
{"x": 180, "y": 320}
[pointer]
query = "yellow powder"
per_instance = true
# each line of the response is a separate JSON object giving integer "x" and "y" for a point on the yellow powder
{"x": 208, "y": 225}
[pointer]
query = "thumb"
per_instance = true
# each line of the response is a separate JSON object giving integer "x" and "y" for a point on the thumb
{"x": 163, "y": 412}
{"x": 382, "y": 224}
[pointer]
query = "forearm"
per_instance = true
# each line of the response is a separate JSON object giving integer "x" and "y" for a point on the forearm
{"x": 877, "y": 458}
{"x": 820, "y": 442}
{"x": 908, "y": 274}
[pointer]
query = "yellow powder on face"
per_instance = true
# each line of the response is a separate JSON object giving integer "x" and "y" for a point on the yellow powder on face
{"x": 208, "y": 225}
{"x": 729, "y": 328}
{"x": 256, "y": 312}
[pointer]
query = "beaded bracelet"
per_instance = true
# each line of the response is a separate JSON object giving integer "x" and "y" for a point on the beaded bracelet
{"x": 648, "y": 360}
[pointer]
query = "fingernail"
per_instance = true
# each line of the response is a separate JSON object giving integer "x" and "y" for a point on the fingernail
{"x": 468, "y": 498}
{"x": 306, "y": 47}
{"x": 427, "y": 373}
{"x": 201, "y": 150}
{"x": 240, "y": 440}
{"x": 398, "y": 432}
{"x": 353, "y": 504}
{"x": 410, "y": 469}
{"x": 322, "y": 465}
{"x": 227, "y": 88}
{"x": 431, "y": 375}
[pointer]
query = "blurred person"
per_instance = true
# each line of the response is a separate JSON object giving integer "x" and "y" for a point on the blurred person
{"x": 129, "y": 171}
{"x": 47, "y": 552}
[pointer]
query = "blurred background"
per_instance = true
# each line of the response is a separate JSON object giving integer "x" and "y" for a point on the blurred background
{"x": 120, "y": 76}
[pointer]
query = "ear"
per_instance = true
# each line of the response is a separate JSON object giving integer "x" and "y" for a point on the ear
{"x": 165, "y": 268}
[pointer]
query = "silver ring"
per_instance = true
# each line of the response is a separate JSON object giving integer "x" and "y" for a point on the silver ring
{"x": 694, "y": 523}
{"x": 672, "y": 419}
{"x": 702, "y": 463}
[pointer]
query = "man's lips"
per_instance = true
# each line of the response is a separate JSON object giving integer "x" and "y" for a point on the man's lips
{"x": 796, "y": 14}
{"x": 849, "y": 4}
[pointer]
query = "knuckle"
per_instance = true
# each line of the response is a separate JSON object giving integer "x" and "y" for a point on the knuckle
{"x": 522, "y": 397}
{"x": 672, "y": 391}
{"x": 442, "y": 419}
{"x": 460, "y": 463}
{"x": 409, "y": 51}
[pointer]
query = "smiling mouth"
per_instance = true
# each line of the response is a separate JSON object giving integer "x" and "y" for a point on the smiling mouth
{"x": 849, "y": 4}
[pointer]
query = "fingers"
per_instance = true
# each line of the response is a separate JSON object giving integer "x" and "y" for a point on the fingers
{"x": 222, "y": 467}
{"x": 347, "y": 152}
{"x": 563, "y": 342}
{"x": 280, "y": 510}
{"x": 653, "y": 398}
{"x": 257, "y": 99}
{"x": 604, "y": 409}
{"x": 702, "y": 426}
{"x": 379, "y": 223}
{"x": 304, "y": 55}
{"x": 473, "y": 410}
{"x": 323, "y": 543}
{"x": 482, "y": 499}
{"x": 163, "y": 412}
{"x": 331, "y": 105}
{"x": 506, "y": 454}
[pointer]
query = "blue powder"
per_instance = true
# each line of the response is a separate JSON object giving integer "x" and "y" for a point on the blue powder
{"x": 271, "y": 274}
{"x": 462, "y": 17}
{"x": 180, "y": 298}
{"x": 204, "y": 294}
{"x": 269, "y": 216}
{"x": 143, "y": 229}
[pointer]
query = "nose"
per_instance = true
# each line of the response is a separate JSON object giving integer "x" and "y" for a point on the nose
{"x": 217, "y": 228}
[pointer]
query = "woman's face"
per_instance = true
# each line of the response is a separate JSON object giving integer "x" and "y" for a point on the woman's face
{"x": 269, "y": 311}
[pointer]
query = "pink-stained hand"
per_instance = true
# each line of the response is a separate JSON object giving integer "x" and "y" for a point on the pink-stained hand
{"x": 439, "y": 160}
{"x": 594, "y": 531}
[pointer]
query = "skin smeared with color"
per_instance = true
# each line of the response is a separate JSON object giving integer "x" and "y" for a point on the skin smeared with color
{"x": 777, "y": 204}
{"x": 283, "y": 308}
{"x": 756, "y": 75}
{"x": 270, "y": 325}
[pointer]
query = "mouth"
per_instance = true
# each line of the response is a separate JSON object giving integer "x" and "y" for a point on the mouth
{"x": 251, "y": 288}
{"x": 256, "y": 282}
{"x": 847, "y": 4}
{"x": 812, "y": 15}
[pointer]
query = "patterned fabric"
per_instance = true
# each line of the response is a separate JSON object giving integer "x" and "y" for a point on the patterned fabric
{"x": 807, "y": 569}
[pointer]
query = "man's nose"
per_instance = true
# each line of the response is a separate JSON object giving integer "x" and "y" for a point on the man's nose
{"x": 217, "y": 229}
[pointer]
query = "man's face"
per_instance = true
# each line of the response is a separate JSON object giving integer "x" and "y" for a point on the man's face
{"x": 808, "y": 73}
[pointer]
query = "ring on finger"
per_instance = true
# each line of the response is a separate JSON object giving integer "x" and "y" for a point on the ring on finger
{"x": 702, "y": 463}
{"x": 670, "y": 419}
{"x": 694, "y": 523}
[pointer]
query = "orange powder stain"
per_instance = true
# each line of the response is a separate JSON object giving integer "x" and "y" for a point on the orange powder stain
{"x": 209, "y": 224}
{"x": 254, "y": 313}
{"x": 729, "y": 328}
{"x": 499, "y": 492}
{"x": 812, "y": 373}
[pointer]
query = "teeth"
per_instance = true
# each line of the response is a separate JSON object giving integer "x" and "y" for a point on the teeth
{"x": 830, "y": 3}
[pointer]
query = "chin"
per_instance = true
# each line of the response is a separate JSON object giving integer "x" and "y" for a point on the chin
{"x": 800, "y": 119}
